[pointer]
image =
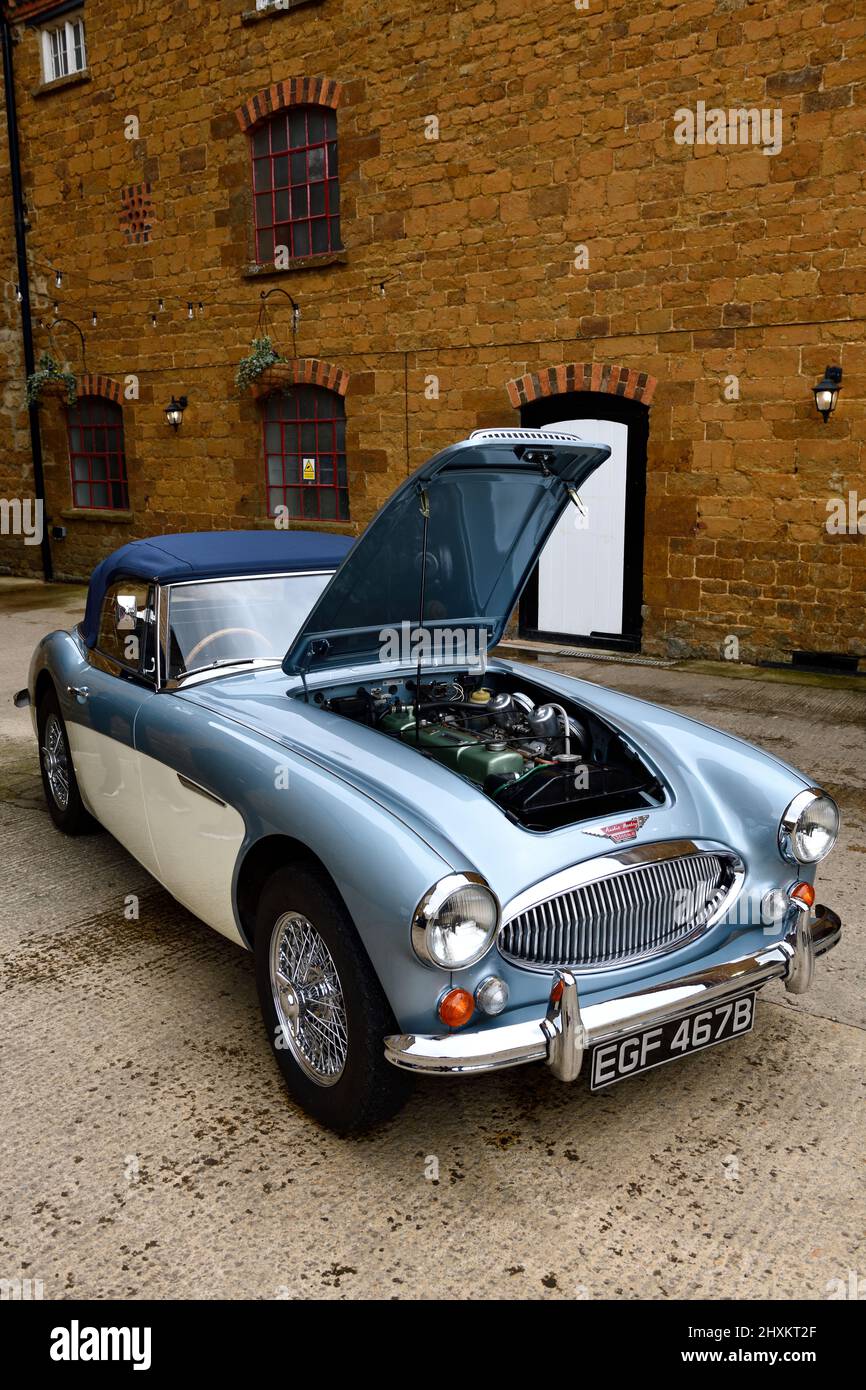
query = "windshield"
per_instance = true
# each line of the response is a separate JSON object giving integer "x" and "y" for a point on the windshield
{"x": 219, "y": 622}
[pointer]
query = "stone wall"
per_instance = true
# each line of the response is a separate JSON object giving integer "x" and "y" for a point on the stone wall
{"x": 554, "y": 219}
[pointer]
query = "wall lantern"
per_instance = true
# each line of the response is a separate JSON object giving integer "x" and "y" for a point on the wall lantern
{"x": 827, "y": 392}
{"x": 174, "y": 411}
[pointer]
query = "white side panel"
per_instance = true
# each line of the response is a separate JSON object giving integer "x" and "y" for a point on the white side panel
{"x": 197, "y": 842}
{"x": 580, "y": 572}
{"x": 110, "y": 784}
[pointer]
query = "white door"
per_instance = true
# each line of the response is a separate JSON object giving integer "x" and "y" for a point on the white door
{"x": 580, "y": 572}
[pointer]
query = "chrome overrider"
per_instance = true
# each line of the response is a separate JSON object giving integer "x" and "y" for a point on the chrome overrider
{"x": 567, "y": 1032}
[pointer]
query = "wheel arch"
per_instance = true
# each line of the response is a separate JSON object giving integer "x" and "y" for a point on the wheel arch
{"x": 44, "y": 684}
{"x": 261, "y": 859}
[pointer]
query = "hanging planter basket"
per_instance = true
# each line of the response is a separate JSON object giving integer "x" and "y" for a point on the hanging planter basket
{"x": 50, "y": 380}
{"x": 259, "y": 372}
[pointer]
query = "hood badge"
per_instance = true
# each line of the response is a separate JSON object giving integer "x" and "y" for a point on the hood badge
{"x": 620, "y": 832}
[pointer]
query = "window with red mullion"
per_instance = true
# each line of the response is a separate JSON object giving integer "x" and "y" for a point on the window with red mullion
{"x": 296, "y": 191}
{"x": 97, "y": 459}
{"x": 306, "y": 424}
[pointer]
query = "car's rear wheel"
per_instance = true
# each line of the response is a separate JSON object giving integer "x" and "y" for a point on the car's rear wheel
{"x": 324, "y": 1009}
{"x": 58, "y": 775}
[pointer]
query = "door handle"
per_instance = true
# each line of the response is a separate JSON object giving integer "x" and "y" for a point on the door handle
{"x": 80, "y": 692}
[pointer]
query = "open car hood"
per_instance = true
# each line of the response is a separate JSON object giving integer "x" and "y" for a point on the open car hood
{"x": 493, "y": 500}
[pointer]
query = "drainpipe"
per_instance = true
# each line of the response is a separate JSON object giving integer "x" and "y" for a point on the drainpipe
{"x": 23, "y": 280}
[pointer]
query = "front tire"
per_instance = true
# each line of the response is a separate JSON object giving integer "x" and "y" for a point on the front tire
{"x": 59, "y": 782}
{"x": 323, "y": 1007}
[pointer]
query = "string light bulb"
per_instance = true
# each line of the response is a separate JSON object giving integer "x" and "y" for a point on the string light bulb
{"x": 153, "y": 320}
{"x": 93, "y": 318}
{"x": 200, "y": 308}
{"x": 58, "y": 279}
{"x": 18, "y": 295}
{"x": 161, "y": 307}
{"x": 189, "y": 312}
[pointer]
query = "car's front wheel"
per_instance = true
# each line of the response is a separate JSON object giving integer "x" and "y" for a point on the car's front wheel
{"x": 324, "y": 1009}
{"x": 59, "y": 782}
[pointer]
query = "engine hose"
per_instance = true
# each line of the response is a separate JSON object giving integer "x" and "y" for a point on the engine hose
{"x": 566, "y": 726}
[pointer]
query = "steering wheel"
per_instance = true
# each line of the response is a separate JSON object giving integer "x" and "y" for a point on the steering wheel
{"x": 225, "y": 632}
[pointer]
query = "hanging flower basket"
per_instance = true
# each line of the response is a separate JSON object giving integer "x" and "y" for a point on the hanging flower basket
{"x": 253, "y": 370}
{"x": 49, "y": 379}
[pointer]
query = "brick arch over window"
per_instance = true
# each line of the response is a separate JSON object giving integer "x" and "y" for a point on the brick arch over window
{"x": 298, "y": 371}
{"x": 103, "y": 386}
{"x": 294, "y": 91}
{"x": 582, "y": 376}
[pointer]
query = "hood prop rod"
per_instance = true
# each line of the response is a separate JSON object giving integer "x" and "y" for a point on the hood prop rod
{"x": 425, "y": 512}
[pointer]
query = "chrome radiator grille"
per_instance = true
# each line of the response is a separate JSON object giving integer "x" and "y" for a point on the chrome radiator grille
{"x": 629, "y": 913}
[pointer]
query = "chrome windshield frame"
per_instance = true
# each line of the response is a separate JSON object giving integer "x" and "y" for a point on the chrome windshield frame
{"x": 163, "y": 608}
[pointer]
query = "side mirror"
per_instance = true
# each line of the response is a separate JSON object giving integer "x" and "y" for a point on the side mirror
{"x": 125, "y": 613}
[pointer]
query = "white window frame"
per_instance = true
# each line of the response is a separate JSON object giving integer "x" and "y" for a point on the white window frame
{"x": 64, "y": 49}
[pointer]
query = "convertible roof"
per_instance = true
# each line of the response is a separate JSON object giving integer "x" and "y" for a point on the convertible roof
{"x": 210, "y": 555}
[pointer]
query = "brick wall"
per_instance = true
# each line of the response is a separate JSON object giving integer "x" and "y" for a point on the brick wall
{"x": 556, "y": 130}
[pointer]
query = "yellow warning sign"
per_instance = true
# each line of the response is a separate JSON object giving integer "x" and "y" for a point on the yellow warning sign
{"x": 309, "y": 470}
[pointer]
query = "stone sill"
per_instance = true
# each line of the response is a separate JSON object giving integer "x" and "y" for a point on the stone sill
{"x": 96, "y": 514}
{"x": 341, "y": 527}
{"x": 324, "y": 258}
{"x": 286, "y": 7}
{"x": 72, "y": 79}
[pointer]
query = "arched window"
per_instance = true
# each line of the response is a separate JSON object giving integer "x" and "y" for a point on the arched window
{"x": 305, "y": 453}
{"x": 96, "y": 454}
{"x": 295, "y": 184}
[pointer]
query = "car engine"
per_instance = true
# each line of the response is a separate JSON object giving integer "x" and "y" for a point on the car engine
{"x": 543, "y": 763}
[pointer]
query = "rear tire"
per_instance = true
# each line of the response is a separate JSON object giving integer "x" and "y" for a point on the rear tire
{"x": 59, "y": 782}
{"x": 324, "y": 1010}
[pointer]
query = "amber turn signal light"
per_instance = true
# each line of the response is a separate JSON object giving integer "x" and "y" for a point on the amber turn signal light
{"x": 456, "y": 1008}
{"x": 556, "y": 992}
{"x": 803, "y": 893}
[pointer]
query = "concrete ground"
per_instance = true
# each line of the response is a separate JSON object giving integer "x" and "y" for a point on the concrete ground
{"x": 148, "y": 1148}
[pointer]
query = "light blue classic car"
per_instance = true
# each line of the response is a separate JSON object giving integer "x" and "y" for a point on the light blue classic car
{"x": 443, "y": 862}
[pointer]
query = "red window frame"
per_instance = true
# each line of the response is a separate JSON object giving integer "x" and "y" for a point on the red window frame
{"x": 300, "y": 424}
{"x": 296, "y": 187}
{"x": 97, "y": 456}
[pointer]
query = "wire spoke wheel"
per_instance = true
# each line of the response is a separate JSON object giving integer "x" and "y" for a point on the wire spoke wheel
{"x": 54, "y": 760}
{"x": 308, "y": 998}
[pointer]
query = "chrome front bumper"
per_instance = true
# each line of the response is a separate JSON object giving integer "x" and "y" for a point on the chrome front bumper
{"x": 566, "y": 1031}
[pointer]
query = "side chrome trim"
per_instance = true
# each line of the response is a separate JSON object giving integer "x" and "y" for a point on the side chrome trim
{"x": 563, "y": 1035}
{"x": 202, "y": 791}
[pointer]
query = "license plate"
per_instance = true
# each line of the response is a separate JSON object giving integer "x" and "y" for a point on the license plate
{"x": 652, "y": 1047}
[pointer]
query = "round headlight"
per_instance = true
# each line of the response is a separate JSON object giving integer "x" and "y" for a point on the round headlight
{"x": 809, "y": 827}
{"x": 455, "y": 922}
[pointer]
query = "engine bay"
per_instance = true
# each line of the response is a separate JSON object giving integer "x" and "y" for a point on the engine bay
{"x": 545, "y": 762}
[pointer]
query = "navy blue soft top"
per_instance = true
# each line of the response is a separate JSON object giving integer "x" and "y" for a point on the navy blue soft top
{"x": 210, "y": 555}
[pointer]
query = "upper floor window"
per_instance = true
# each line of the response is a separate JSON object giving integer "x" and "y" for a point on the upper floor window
{"x": 305, "y": 450}
{"x": 295, "y": 184}
{"x": 96, "y": 454}
{"x": 63, "y": 50}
